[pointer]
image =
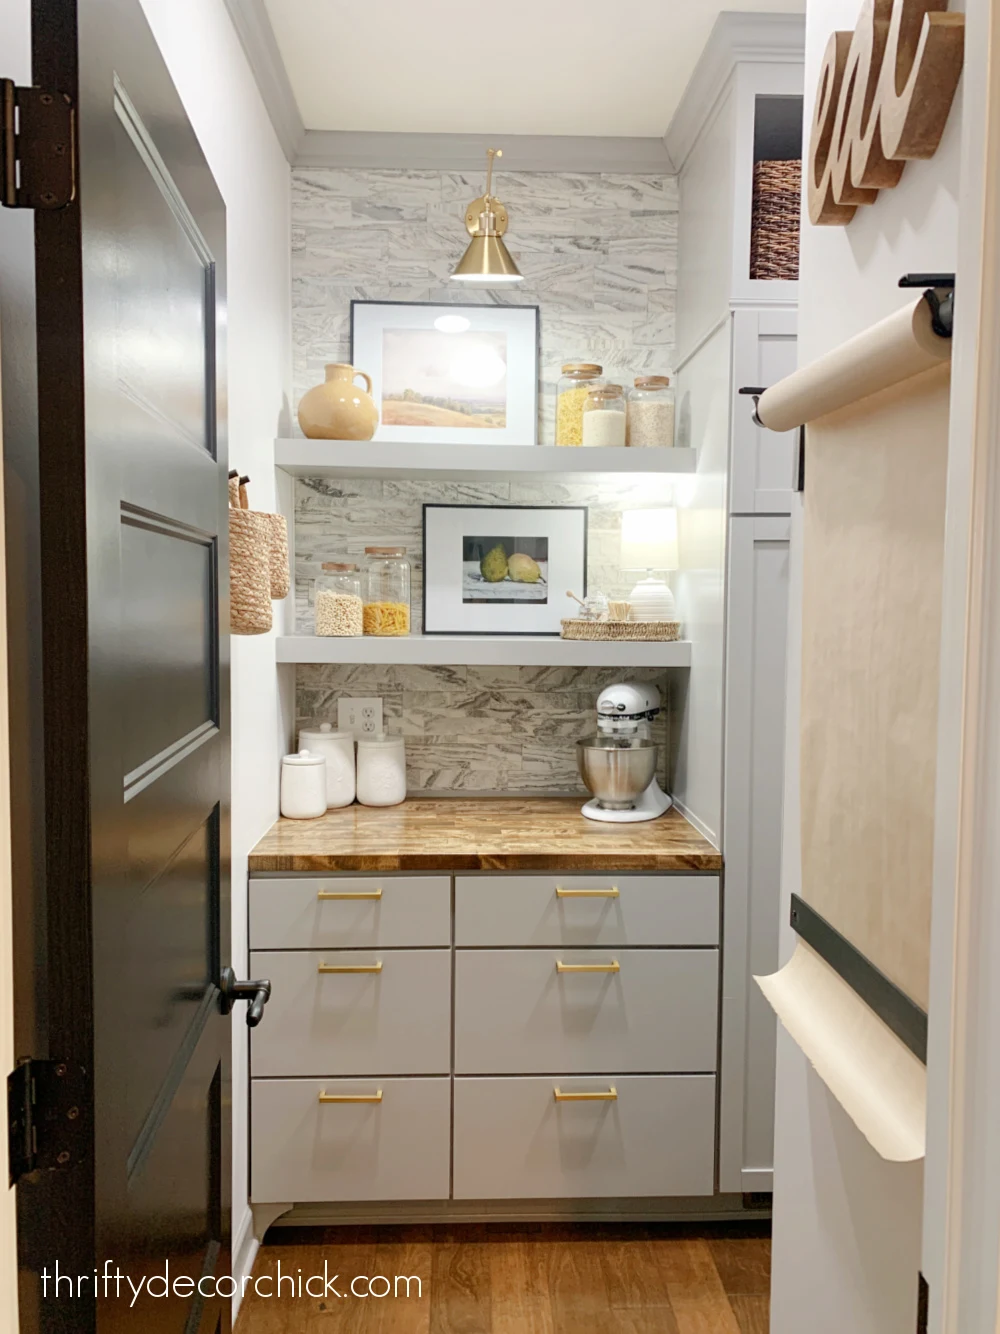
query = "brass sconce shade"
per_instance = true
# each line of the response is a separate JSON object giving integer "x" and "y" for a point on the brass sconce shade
{"x": 487, "y": 261}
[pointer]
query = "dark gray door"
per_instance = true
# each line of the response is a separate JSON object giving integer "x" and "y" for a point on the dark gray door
{"x": 132, "y": 486}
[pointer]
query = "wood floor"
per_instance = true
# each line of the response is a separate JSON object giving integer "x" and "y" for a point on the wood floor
{"x": 532, "y": 1279}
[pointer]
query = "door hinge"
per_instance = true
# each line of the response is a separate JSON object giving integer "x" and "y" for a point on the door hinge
{"x": 37, "y": 147}
{"x": 46, "y": 1116}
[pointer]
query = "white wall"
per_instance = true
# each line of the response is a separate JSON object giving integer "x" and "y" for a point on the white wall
{"x": 847, "y": 1226}
{"x": 210, "y": 71}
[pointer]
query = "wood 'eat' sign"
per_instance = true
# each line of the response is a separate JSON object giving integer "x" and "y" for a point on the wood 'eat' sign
{"x": 884, "y": 95}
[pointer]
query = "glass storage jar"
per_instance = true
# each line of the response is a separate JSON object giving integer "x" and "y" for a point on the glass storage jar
{"x": 337, "y": 602}
{"x": 604, "y": 416}
{"x": 387, "y": 591}
{"x": 576, "y": 381}
{"x": 651, "y": 411}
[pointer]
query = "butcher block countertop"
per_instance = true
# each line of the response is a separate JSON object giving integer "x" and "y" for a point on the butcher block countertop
{"x": 481, "y": 834}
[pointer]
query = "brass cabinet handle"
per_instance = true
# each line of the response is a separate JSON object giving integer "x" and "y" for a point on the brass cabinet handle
{"x": 351, "y": 1097}
{"x": 325, "y": 894}
{"x": 610, "y": 1096}
{"x": 613, "y": 967}
{"x": 611, "y": 893}
{"x": 350, "y": 967}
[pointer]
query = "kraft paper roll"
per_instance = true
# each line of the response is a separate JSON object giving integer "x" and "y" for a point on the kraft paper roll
{"x": 874, "y": 1076}
{"x": 898, "y": 347}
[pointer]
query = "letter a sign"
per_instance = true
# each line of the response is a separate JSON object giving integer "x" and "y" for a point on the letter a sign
{"x": 884, "y": 95}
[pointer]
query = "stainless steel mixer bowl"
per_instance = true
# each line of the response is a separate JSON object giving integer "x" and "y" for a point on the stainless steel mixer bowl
{"x": 616, "y": 772}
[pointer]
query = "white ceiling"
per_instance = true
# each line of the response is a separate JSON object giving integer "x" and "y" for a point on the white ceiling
{"x": 585, "y": 67}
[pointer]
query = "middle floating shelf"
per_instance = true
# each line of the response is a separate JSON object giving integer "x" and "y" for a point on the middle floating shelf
{"x": 328, "y": 458}
{"x": 484, "y": 650}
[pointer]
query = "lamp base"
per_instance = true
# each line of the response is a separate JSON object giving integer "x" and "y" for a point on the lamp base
{"x": 652, "y": 600}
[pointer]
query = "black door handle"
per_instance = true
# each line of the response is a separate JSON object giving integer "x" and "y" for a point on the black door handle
{"x": 258, "y": 993}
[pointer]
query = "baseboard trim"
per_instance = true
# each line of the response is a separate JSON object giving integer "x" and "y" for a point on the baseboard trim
{"x": 717, "y": 1209}
{"x": 244, "y": 1252}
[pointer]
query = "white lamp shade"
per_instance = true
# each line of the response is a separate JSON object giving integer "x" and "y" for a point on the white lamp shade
{"x": 649, "y": 540}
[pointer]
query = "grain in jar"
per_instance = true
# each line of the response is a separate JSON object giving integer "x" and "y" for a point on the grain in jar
{"x": 651, "y": 412}
{"x": 387, "y": 592}
{"x": 338, "y": 604}
{"x": 604, "y": 417}
{"x": 575, "y": 383}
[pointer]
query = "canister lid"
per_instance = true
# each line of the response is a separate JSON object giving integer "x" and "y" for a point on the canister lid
{"x": 339, "y": 567}
{"x": 582, "y": 368}
{"x": 385, "y": 551}
{"x": 325, "y": 733}
{"x": 305, "y": 758}
{"x": 380, "y": 740}
{"x": 652, "y": 382}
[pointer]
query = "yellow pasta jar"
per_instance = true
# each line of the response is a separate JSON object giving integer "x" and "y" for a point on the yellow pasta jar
{"x": 387, "y": 592}
{"x": 575, "y": 383}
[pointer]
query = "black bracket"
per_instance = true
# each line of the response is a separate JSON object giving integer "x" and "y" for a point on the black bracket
{"x": 37, "y": 148}
{"x": 942, "y": 307}
{"x": 755, "y": 392}
{"x": 46, "y": 1117}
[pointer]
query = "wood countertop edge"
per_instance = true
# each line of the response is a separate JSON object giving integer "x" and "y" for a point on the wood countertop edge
{"x": 457, "y": 862}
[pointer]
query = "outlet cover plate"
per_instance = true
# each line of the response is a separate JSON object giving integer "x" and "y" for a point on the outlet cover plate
{"x": 363, "y": 717}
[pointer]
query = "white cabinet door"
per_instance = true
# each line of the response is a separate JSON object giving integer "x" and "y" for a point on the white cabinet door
{"x": 763, "y": 464}
{"x": 755, "y": 745}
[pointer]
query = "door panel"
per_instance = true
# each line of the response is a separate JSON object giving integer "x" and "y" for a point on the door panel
{"x": 762, "y": 474}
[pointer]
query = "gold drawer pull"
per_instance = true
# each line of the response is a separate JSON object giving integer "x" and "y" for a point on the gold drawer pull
{"x": 350, "y": 967}
{"x": 324, "y": 894}
{"x": 587, "y": 893}
{"x": 613, "y": 967}
{"x": 351, "y": 1097}
{"x": 610, "y": 1096}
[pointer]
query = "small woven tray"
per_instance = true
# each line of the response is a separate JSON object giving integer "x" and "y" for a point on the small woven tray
{"x": 578, "y": 628}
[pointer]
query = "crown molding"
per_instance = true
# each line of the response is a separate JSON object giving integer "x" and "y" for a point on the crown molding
{"x": 466, "y": 152}
{"x": 758, "y": 38}
{"x": 253, "y": 27}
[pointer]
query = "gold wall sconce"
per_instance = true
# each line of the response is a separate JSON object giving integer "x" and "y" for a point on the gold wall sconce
{"x": 487, "y": 261}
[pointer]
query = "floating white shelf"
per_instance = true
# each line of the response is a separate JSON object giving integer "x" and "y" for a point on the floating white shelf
{"x": 482, "y": 650}
{"x": 325, "y": 458}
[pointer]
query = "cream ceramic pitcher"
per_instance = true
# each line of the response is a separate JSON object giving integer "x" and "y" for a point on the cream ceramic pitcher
{"x": 338, "y": 409}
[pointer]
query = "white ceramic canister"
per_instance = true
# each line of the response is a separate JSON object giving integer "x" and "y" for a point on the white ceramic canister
{"x": 381, "y": 770}
{"x": 337, "y": 748}
{"x": 303, "y": 786}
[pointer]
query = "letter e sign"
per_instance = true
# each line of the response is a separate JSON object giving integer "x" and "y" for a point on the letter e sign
{"x": 885, "y": 92}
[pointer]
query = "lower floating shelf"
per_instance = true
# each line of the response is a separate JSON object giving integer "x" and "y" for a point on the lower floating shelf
{"x": 484, "y": 650}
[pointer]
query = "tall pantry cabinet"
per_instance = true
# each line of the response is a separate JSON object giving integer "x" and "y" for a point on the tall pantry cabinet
{"x": 743, "y": 105}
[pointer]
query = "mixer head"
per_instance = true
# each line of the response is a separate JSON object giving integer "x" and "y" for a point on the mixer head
{"x": 622, "y": 709}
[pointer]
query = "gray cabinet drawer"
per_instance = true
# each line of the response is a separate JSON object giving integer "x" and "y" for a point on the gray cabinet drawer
{"x": 517, "y": 1013}
{"x": 306, "y": 1150}
{"x": 393, "y": 1021}
{"x": 513, "y": 1140}
{"x": 587, "y": 910}
{"x": 350, "y": 912}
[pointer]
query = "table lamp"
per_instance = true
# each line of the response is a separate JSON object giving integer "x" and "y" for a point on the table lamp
{"x": 649, "y": 543}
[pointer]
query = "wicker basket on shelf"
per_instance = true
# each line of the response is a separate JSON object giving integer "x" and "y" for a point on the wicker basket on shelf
{"x": 579, "y": 627}
{"x": 774, "y": 226}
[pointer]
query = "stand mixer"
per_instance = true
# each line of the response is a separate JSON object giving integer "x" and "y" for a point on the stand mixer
{"x": 618, "y": 765}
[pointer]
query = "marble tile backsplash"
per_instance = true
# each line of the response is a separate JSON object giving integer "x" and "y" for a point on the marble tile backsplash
{"x": 598, "y": 254}
{"x": 501, "y": 729}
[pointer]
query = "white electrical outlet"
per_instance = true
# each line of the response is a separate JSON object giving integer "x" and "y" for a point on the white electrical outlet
{"x": 363, "y": 717}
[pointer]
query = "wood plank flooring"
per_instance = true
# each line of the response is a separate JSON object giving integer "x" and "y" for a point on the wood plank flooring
{"x": 528, "y": 1279}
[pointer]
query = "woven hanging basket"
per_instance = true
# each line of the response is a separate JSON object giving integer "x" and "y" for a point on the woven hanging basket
{"x": 774, "y": 226}
{"x": 249, "y": 567}
{"x": 281, "y": 580}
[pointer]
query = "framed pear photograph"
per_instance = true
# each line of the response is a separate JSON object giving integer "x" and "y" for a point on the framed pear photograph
{"x": 449, "y": 374}
{"x": 502, "y": 569}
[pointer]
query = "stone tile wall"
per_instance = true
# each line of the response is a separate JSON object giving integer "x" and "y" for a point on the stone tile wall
{"x": 599, "y": 258}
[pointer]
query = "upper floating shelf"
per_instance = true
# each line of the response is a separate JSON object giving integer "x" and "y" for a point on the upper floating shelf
{"x": 489, "y": 650}
{"x": 325, "y": 458}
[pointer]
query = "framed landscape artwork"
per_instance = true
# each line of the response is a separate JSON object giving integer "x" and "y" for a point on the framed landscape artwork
{"x": 451, "y": 374}
{"x": 502, "y": 569}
